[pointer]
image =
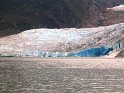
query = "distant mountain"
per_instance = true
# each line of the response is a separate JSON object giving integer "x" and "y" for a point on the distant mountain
{"x": 19, "y": 15}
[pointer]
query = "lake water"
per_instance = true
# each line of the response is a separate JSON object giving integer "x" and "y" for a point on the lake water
{"x": 35, "y": 77}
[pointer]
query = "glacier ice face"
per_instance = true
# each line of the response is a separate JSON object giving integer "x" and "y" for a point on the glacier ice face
{"x": 40, "y": 53}
{"x": 60, "y": 42}
{"x": 92, "y": 52}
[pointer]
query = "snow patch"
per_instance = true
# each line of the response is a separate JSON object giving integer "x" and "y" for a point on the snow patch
{"x": 117, "y": 8}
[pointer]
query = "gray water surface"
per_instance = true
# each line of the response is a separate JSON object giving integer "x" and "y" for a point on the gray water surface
{"x": 28, "y": 77}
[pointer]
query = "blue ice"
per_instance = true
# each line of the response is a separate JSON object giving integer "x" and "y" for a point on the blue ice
{"x": 92, "y": 52}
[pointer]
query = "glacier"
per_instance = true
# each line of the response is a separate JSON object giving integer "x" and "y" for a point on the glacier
{"x": 92, "y": 52}
{"x": 64, "y": 42}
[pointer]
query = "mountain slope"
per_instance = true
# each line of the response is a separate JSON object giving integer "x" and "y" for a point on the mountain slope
{"x": 120, "y": 54}
{"x": 19, "y": 15}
